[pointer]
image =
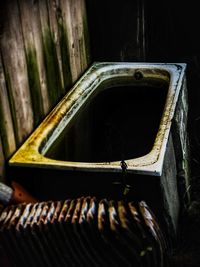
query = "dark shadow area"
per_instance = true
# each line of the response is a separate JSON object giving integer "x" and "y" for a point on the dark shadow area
{"x": 159, "y": 31}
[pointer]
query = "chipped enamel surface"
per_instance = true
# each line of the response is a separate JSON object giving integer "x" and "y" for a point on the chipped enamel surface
{"x": 98, "y": 76}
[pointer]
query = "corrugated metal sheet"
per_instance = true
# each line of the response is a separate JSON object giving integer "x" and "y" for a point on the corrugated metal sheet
{"x": 82, "y": 232}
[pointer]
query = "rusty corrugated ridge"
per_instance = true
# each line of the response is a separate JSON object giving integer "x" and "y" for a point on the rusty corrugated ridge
{"x": 82, "y": 232}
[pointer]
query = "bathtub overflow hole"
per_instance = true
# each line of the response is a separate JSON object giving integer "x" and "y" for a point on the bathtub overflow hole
{"x": 138, "y": 75}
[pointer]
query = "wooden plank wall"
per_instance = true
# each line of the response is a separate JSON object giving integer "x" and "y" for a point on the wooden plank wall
{"x": 44, "y": 48}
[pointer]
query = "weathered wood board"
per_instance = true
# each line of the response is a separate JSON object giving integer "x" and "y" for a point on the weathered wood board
{"x": 44, "y": 48}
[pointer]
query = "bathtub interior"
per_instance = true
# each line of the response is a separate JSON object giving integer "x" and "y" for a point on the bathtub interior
{"x": 117, "y": 123}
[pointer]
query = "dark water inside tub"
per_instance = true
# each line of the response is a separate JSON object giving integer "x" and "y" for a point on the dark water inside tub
{"x": 118, "y": 123}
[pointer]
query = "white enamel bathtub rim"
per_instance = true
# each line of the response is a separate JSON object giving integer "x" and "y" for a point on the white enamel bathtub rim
{"x": 32, "y": 152}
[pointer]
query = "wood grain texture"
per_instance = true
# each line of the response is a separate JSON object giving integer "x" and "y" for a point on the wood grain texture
{"x": 53, "y": 12}
{"x": 6, "y": 123}
{"x": 31, "y": 27}
{"x": 2, "y": 162}
{"x": 53, "y": 75}
{"x": 31, "y": 59}
{"x": 14, "y": 60}
{"x": 45, "y": 48}
{"x": 74, "y": 24}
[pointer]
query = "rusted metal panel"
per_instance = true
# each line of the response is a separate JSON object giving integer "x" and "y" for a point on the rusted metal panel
{"x": 33, "y": 234}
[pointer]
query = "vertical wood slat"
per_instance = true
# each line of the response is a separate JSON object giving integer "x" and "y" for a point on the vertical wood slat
{"x": 53, "y": 12}
{"x": 40, "y": 55}
{"x": 62, "y": 46}
{"x": 6, "y": 123}
{"x": 74, "y": 24}
{"x": 67, "y": 30}
{"x": 31, "y": 59}
{"x": 53, "y": 75}
{"x": 81, "y": 37}
{"x": 13, "y": 55}
{"x": 2, "y": 162}
{"x": 30, "y": 20}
